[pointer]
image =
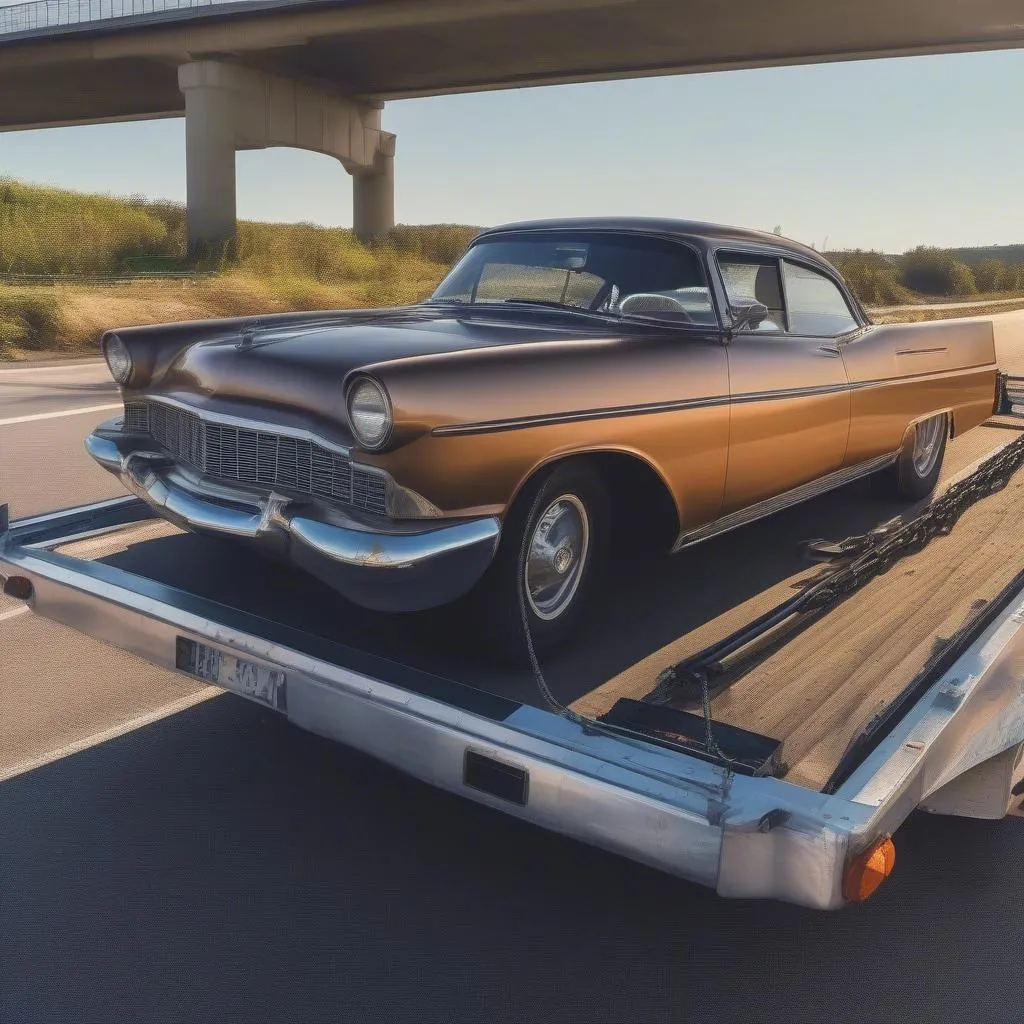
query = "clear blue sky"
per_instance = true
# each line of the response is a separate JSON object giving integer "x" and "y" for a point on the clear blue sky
{"x": 873, "y": 154}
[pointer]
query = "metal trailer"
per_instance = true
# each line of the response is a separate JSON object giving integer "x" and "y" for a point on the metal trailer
{"x": 957, "y": 748}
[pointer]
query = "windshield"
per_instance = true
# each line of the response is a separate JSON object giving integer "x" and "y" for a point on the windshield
{"x": 625, "y": 275}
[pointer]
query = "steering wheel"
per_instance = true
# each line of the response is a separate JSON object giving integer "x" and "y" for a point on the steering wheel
{"x": 655, "y": 302}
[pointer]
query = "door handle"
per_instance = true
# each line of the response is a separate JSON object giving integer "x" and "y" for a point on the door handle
{"x": 832, "y": 350}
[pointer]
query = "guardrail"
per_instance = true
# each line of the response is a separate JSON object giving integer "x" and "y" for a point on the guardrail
{"x": 43, "y": 14}
{"x": 130, "y": 277}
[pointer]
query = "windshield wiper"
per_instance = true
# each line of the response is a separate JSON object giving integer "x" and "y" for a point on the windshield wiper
{"x": 551, "y": 303}
{"x": 561, "y": 307}
{"x": 605, "y": 316}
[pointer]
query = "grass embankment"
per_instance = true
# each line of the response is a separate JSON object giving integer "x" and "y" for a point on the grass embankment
{"x": 59, "y": 235}
{"x": 69, "y": 319}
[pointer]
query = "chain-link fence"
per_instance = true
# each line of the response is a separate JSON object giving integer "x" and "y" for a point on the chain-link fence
{"x": 43, "y": 14}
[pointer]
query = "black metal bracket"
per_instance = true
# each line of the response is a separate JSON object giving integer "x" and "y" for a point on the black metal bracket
{"x": 747, "y": 752}
{"x": 1010, "y": 393}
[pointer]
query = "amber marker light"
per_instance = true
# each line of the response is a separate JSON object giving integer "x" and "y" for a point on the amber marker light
{"x": 869, "y": 869}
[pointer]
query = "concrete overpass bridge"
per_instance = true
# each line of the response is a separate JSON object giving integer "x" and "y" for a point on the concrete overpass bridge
{"x": 315, "y": 74}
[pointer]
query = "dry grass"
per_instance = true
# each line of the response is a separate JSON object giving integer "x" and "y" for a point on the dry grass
{"x": 916, "y": 316}
{"x": 71, "y": 318}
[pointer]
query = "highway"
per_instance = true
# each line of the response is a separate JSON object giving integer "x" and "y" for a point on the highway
{"x": 169, "y": 853}
{"x": 970, "y": 304}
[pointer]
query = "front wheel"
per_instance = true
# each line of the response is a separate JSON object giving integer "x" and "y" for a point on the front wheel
{"x": 552, "y": 552}
{"x": 916, "y": 472}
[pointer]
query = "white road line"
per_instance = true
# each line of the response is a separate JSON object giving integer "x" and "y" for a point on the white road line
{"x": 66, "y": 368}
{"x": 148, "y": 718}
{"x": 57, "y": 415}
{"x": 13, "y": 612}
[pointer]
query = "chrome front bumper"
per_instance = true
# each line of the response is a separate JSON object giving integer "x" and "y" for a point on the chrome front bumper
{"x": 397, "y": 567}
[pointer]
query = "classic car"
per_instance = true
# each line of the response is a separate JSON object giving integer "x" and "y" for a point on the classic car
{"x": 569, "y": 386}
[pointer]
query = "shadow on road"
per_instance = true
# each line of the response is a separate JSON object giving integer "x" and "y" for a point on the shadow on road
{"x": 224, "y": 866}
{"x": 644, "y": 606}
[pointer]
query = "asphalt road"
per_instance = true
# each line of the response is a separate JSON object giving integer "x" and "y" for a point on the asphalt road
{"x": 160, "y": 861}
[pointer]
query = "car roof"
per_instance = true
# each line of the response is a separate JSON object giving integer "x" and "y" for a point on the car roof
{"x": 685, "y": 229}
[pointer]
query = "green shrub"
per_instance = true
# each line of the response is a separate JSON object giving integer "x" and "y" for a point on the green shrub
{"x": 14, "y": 332}
{"x": 28, "y": 319}
{"x": 50, "y": 231}
{"x": 990, "y": 275}
{"x": 935, "y": 271}
{"x": 1013, "y": 278}
{"x": 872, "y": 276}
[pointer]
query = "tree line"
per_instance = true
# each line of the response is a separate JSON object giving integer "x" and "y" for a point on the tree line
{"x": 54, "y": 232}
{"x": 879, "y": 279}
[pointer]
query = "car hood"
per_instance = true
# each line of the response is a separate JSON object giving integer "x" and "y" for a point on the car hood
{"x": 303, "y": 370}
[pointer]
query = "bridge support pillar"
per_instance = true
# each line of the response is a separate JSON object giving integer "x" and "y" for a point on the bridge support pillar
{"x": 373, "y": 188}
{"x": 229, "y": 108}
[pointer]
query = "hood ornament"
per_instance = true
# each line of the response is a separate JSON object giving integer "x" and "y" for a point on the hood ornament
{"x": 248, "y": 334}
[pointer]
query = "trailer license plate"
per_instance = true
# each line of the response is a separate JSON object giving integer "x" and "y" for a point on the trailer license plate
{"x": 248, "y": 678}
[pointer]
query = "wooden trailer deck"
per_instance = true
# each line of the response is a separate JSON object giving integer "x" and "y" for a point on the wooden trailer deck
{"x": 821, "y": 687}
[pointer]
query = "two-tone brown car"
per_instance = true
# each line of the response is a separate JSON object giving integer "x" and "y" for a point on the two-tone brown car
{"x": 568, "y": 386}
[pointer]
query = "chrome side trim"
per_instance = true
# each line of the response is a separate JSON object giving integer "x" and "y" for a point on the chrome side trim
{"x": 770, "y": 506}
{"x": 493, "y": 426}
{"x": 912, "y": 378}
{"x": 521, "y": 422}
{"x": 780, "y": 394}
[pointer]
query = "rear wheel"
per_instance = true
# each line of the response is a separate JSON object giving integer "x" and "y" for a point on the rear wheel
{"x": 552, "y": 551}
{"x": 916, "y": 472}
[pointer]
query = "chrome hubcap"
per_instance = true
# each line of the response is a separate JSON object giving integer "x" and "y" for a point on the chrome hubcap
{"x": 557, "y": 556}
{"x": 927, "y": 443}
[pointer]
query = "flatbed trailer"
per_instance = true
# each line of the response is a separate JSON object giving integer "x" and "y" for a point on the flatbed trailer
{"x": 765, "y": 739}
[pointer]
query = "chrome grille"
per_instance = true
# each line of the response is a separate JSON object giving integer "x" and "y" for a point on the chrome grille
{"x": 259, "y": 457}
{"x": 136, "y": 418}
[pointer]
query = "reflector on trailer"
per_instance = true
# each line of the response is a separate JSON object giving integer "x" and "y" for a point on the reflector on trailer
{"x": 869, "y": 869}
{"x": 18, "y": 587}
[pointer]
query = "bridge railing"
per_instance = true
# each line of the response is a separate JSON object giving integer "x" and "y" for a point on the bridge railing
{"x": 43, "y": 14}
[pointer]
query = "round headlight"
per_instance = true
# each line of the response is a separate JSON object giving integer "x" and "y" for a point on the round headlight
{"x": 369, "y": 412}
{"x": 118, "y": 359}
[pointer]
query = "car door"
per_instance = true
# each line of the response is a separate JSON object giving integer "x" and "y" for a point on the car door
{"x": 789, "y": 393}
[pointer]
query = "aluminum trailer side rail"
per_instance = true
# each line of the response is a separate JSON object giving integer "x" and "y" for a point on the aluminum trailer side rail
{"x": 957, "y": 750}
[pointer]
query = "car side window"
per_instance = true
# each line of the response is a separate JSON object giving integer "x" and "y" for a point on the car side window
{"x": 749, "y": 279}
{"x": 816, "y": 306}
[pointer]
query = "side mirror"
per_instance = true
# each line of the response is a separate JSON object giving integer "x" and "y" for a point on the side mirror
{"x": 748, "y": 316}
